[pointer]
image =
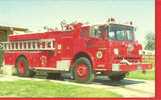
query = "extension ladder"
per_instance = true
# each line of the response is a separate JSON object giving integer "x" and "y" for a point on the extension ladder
{"x": 43, "y": 44}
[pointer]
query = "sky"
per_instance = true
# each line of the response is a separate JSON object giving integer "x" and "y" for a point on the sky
{"x": 34, "y": 14}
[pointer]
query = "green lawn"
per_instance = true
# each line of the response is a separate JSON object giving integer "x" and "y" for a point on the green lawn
{"x": 149, "y": 75}
{"x": 31, "y": 88}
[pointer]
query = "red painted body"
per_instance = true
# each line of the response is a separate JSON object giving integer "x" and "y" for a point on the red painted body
{"x": 105, "y": 54}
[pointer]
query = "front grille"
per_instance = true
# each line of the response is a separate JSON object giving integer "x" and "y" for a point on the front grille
{"x": 130, "y": 59}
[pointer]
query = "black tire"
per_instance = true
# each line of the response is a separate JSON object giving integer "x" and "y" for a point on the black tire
{"x": 27, "y": 71}
{"x": 56, "y": 76}
{"x": 117, "y": 76}
{"x": 88, "y": 66}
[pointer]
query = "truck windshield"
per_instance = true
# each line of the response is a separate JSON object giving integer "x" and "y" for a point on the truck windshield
{"x": 120, "y": 32}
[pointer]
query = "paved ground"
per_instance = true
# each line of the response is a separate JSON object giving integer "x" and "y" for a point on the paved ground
{"x": 127, "y": 87}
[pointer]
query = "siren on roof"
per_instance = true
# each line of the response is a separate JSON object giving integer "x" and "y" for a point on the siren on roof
{"x": 111, "y": 20}
{"x": 131, "y": 23}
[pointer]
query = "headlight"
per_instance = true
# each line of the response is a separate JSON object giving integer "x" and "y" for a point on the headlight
{"x": 116, "y": 51}
{"x": 99, "y": 54}
{"x": 140, "y": 52}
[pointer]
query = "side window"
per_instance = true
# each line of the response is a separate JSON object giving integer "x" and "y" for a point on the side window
{"x": 112, "y": 35}
{"x": 84, "y": 32}
{"x": 95, "y": 32}
{"x": 129, "y": 36}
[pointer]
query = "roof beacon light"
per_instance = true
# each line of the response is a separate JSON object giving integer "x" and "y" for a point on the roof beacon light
{"x": 131, "y": 23}
{"x": 111, "y": 20}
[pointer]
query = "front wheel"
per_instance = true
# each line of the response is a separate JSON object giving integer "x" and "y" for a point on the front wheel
{"x": 117, "y": 76}
{"x": 82, "y": 70}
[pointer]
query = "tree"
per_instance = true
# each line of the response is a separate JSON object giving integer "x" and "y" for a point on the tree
{"x": 150, "y": 41}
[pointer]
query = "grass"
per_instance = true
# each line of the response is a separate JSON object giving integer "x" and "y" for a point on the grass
{"x": 31, "y": 88}
{"x": 149, "y": 75}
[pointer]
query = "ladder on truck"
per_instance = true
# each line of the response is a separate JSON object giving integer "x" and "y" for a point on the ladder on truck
{"x": 43, "y": 44}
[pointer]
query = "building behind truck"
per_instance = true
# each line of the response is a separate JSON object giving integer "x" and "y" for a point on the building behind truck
{"x": 5, "y": 31}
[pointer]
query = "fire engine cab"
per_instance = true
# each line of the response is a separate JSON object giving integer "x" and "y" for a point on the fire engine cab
{"x": 83, "y": 50}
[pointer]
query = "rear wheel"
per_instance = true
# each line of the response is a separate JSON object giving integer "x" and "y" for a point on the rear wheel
{"x": 82, "y": 70}
{"x": 22, "y": 68}
{"x": 117, "y": 76}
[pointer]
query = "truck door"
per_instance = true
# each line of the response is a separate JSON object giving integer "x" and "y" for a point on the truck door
{"x": 98, "y": 43}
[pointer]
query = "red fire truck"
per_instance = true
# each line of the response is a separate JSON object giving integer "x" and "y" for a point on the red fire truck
{"x": 83, "y": 50}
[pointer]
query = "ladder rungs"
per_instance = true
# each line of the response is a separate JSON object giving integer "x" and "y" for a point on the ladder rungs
{"x": 46, "y": 44}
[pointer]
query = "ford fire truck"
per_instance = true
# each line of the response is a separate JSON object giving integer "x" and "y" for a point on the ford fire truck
{"x": 85, "y": 51}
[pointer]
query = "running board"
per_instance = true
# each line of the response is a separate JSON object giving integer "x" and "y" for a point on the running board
{"x": 44, "y": 68}
{"x": 47, "y": 69}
